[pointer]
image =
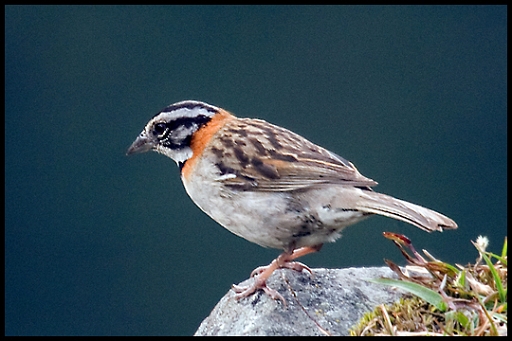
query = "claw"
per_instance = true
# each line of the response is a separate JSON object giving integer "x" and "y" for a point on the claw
{"x": 242, "y": 292}
{"x": 274, "y": 294}
{"x": 297, "y": 266}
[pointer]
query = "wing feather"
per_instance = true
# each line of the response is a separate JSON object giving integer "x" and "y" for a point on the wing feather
{"x": 265, "y": 157}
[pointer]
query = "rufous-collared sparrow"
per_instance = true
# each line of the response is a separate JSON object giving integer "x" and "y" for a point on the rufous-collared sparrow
{"x": 269, "y": 185}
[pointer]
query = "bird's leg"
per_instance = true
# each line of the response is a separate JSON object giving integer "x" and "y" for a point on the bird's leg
{"x": 285, "y": 260}
{"x": 262, "y": 273}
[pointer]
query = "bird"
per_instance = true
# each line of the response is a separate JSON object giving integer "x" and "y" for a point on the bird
{"x": 269, "y": 185}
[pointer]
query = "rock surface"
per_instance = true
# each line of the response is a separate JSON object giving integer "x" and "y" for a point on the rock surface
{"x": 327, "y": 303}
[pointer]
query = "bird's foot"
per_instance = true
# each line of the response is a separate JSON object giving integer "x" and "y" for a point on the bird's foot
{"x": 246, "y": 291}
{"x": 262, "y": 273}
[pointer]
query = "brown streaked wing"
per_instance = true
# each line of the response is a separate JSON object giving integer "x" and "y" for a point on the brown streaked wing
{"x": 265, "y": 157}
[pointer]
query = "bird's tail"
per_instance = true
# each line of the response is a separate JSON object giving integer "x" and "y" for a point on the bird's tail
{"x": 424, "y": 218}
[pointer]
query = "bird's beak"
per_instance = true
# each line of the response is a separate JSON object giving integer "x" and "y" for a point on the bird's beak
{"x": 141, "y": 145}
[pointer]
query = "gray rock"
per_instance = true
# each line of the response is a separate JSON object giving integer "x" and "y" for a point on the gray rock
{"x": 328, "y": 302}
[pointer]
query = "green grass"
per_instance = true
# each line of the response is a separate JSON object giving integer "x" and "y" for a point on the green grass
{"x": 444, "y": 299}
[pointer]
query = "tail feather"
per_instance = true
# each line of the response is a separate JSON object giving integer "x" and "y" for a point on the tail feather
{"x": 424, "y": 218}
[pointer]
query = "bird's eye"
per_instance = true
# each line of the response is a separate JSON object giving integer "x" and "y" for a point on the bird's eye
{"x": 160, "y": 129}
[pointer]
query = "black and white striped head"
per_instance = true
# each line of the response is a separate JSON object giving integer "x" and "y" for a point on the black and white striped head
{"x": 169, "y": 132}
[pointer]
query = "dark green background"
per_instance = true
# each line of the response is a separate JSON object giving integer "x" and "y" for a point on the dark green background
{"x": 97, "y": 243}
